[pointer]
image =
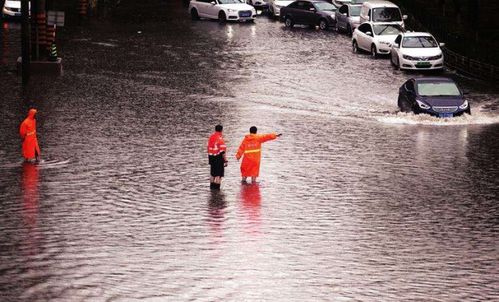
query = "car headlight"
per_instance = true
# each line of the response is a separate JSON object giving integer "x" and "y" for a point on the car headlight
{"x": 464, "y": 105}
{"x": 437, "y": 57}
{"x": 231, "y": 10}
{"x": 423, "y": 105}
{"x": 409, "y": 58}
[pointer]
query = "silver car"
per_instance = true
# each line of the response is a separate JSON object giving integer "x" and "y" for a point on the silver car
{"x": 348, "y": 18}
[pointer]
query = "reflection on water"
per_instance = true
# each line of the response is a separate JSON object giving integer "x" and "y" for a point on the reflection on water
{"x": 356, "y": 202}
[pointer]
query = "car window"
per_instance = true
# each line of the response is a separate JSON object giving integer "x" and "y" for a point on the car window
{"x": 419, "y": 42}
{"x": 364, "y": 27}
{"x": 386, "y": 14}
{"x": 300, "y": 5}
{"x": 398, "y": 39}
{"x": 409, "y": 85}
{"x": 325, "y": 6}
{"x": 228, "y": 1}
{"x": 343, "y": 9}
{"x": 355, "y": 11}
{"x": 295, "y": 4}
{"x": 387, "y": 29}
{"x": 438, "y": 89}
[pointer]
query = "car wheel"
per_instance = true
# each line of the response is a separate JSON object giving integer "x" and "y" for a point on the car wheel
{"x": 221, "y": 17}
{"x": 374, "y": 52}
{"x": 349, "y": 30}
{"x": 288, "y": 22}
{"x": 355, "y": 47}
{"x": 404, "y": 107}
{"x": 323, "y": 24}
{"x": 194, "y": 14}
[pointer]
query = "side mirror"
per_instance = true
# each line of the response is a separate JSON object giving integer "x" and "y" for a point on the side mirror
{"x": 345, "y": 14}
{"x": 369, "y": 33}
{"x": 466, "y": 91}
{"x": 442, "y": 44}
{"x": 213, "y": 3}
{"x": 312, "y": 9}
{"x": 396, "y": 45}
{"x": 404, "y": 17}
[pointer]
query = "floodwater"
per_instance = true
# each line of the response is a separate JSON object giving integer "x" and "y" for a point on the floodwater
{"x": 356, "y": 202}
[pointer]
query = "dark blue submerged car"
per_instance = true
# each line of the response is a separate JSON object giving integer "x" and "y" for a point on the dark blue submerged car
{"x": 436, "y": 96}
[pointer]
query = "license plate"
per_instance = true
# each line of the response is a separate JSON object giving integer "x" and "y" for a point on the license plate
{"x": 423, "y": 64}
{"x": 445, "y": 115}
{"x": 245, "y": 14}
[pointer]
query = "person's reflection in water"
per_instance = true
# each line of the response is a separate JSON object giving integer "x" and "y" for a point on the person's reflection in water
{"x": 30, "y": 204}
{"x": 216, "y": 217}
{"x": 251, "y": 200}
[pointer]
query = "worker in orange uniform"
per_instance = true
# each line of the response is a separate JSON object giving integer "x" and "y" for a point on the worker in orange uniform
{"x": 216, "y": 157}
{"x": 251, "y": 149}
{"x": 27, "y": 130}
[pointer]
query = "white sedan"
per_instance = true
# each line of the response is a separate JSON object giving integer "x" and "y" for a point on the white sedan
{"x": 376, "y": 38}
{"x": 276, "y": 5}
{"x": 222, "y": 10}
{"x": 12, "y": 8}
{"x": 417, "y": 50}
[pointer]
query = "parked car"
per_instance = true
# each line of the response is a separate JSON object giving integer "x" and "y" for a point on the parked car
{"x": 417, "y": 50}
{"x": 377, "y": 38}
{"x": 276, "y": 5}
{"x": 309, "y": 12}
{"x": 223, "y": 10}
{"x": 348, "y": 17}
{"x": 258, "y": 4}
{"x": 436, "y": 96}
{"x": 11, "y": 8}
{"x": 381, "y": 11}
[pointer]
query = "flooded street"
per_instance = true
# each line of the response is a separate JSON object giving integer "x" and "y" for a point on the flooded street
{"x": 355, "y": 202}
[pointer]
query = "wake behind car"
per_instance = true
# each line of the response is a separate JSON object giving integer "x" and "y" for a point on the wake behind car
{"x": 309, "y": 12}
{"x": 417, "y": 50}
{"x": 223, "y": 10}
{"x": 377, "y": 38}
{"x": 436, "y": 96}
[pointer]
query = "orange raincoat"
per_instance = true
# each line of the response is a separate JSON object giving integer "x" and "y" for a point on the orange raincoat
{"x": 27, "y": 130}
{"x": 251, "y": 149}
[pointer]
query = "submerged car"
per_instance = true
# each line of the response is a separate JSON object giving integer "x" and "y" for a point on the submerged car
{"x": 223, "y": 10}
{"x": 377, "y": 38}
{"x": 437, "y": 96}
{"x": 417, "y": 50}
{"x": 309, "y": 12}
{"x": 348, "y": 18}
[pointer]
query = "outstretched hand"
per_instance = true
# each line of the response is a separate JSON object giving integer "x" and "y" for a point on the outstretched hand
{"x": 278, "y": 135}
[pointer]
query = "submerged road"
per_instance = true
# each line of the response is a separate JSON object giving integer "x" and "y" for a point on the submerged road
{"x": 356, "y": 201}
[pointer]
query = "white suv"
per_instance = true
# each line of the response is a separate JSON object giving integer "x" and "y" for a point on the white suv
{"x": 223, "y": 10}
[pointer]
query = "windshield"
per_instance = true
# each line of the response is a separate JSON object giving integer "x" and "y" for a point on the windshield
{"x": 391, "y": 29}
{"x": 386, "y": 14}
{"x": 355, "y": 11}
{"x": 325, "y": 6}
{"x": 230, "y": 1}
{"x": 438, "y": 89}
{"x": 419, "y": 42}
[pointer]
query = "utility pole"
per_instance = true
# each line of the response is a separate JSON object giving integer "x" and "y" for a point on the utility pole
{"x": 25, "y": 41}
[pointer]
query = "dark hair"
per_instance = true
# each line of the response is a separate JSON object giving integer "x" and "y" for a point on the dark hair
{"x": 253, "y": 129}
{"x": 219, "y": 128}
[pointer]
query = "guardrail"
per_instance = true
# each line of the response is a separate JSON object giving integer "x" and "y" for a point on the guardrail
{"x": 470, "y": 66}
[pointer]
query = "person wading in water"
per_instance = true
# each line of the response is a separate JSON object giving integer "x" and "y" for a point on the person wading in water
{"x": 27, "y": 131}
{"x": 216, "y": 157}
{"x": 250, "y": 148}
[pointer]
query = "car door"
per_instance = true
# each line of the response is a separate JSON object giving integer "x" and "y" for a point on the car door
{"x": 394, "y": 52}
{"x": 311, "y": 16}
{"x": 410, "y": 93}
{"x": 362, "y": 35}
{"x": 342, "y": 17}
{"x": 202, "y": 7}
{"x": 300, "y": 15}
{"x": 213, "y": 9}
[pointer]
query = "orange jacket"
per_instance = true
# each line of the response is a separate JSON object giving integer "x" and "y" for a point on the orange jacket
{"x": 27, "y": 130}
{"x": 251, "y": 149}
{"x": 216, "y": 144}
